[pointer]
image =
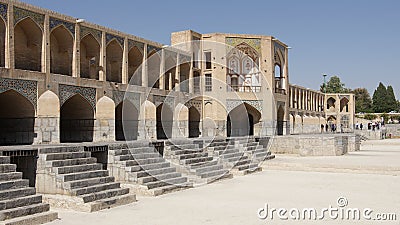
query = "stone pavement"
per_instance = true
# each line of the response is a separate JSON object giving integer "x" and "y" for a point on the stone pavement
{"x": 236, "y": 201}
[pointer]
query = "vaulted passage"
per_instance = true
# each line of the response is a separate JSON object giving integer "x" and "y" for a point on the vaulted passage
{"x": 280, "y": 121}
{"x": 77, "y": 120}
{"x": 61, "y": 47}
{"x": 90, "y": 55}
{"x": 194, "y": 122}
{"x": 17, "y": 118}
{"x": 164, "y": 122}
{"x": 153, "y": 65}
{"x": 114, "y": 62}
{"x": 126, "y": 122}
{"x": 28, "y": 45}
{"x": 241, "y": 121}
{"x": 2, "y": 43}
{"x": 135, "y": 58}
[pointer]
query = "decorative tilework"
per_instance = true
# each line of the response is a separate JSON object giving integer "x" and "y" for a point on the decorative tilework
{"x": 65, "y": 92}
{"x": 3, "y": 11}
{"x": 150, "y": 48}
{"x": 110, "y": 37}
{"x": 87, "y": 30}
{"x": 168, "y": 100}
{"x": 27, "y": 88}
{"x": 139, "y": 45}
{"x": 54, "y": 22}
{"x": 195, "y": 103}
{"x": 253, "y": 42}
{"x": 278, "y": 47}
{"x": 20, "y": 14}
{"x": 119, "y": 96}
{"x": 231, "y": 104}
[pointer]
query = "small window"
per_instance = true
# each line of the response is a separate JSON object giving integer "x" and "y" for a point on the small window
{"x": 208, "y": 82}
{"x": 208, "y": 60}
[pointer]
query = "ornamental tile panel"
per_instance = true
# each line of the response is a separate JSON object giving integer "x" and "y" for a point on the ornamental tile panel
{"x": 195, "y": 103}
{"x": 27, "y": 88}
{"x": 110, "y": 37}
{"x": 168, "y": 100}
{"x": 231, "y": 104}
{"x": 3, "y": 11}
{"x": 54, "y": 22}
{"x": 253, "y": 42}
{"x": 139, "y": 45}
{"x": 65, "y": 92}
{"x": 87, "y": 30}
{"x": 20, "y": 14}
{"x": 119, "y": 96}
{"x": 150, "y": 48}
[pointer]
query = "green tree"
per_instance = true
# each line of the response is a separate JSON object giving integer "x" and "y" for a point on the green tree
{"x": 391, "y": 99}
{"x": 380, "y": 99}
{"x": 363, "y": 100}
{"x": 334, "y": 85}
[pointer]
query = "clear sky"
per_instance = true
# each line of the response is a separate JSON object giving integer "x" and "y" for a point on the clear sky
{"x": 358, "y": 40}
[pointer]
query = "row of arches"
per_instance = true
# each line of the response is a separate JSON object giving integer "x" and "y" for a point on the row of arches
{"x": 78, "y": 119}
{"x": 28, "y": 47}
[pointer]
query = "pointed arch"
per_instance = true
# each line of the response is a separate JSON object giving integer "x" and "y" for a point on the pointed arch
{"x": 28, "y": 45}
{"x": 135, "y": 58}
{"x": 114, "y": 61}
{"x": 164, "y": 121}
{"x": 89, "y": 57}
{"x": 242, "y": 119}
{"x": 194, "y": 122}
{"x": 126, "y": 121}
{"x": 153, "y": 65}
{"x": 48, "y": 105}
{"x": 61, "y": 50}
{"x": 2, "y": 42}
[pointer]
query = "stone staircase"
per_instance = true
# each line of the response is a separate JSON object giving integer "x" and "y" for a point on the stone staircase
{"x": 144, "y": 170}
{"x": 19, "y": 203}
{"x": 196, "y": 162}
{"x": 241, "y": 155}
{"x": 71, "y": 178}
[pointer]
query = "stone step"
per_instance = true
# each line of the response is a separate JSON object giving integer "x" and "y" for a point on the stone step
{"x": 142, "y": 150}
{"x": 8, "y": 168}
{"x": 77, "y": 168}
{"x": 197, "y": 160}
{"x": 224, "y": 148}
{"x": 184, "y": 146}
{"x": 13, "y": 184}
{"x": 59, "y": 150}
{"x": 203, "y": 164}
{"x": 247, "y": 166}
{"x": 16, "y": 193}
{"x": 146, "y": 155}
{"x": 169, "y": 188}
{"x": 104, "y": 194}
{"x": 71, "y": 162}
{"x": 66, "y": 155}
{"x": 82, "y": 175}
{"x": 217, "y": 144}
{"x": 95, "y": 188}
{"x": 227, "y": 151}
{"x": 10, "y": 176}
{"x": 148, "y": 167}
{"x": 154, "y": 172}
{"x": 4, "y": 160}
{"x": 186, "y": 151}
{"x": 150, "y": 161}
{"x": 192, "y": 155}
{"x": 112, "y": 202}
{"x": 242, "y": 161}
{"x": 202, "y": 170}
{"x": 236, "y": 159}
{"x": 213, "y": 173}
{"x": 23, "y": 211}
{"x": 253, "y": 148}
{"x": 118, "y": 152}
{"x": 87, "y": 182}
{"x": 35, "y": 219}
{"x": 161, "y": 183}
{"x": 231, "y": 155}
{"x": 165, "y": 176}
{"x": 20, "y": 202}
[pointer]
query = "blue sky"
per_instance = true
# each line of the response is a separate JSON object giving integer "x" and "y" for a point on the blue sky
{"x": 358, "y": 40}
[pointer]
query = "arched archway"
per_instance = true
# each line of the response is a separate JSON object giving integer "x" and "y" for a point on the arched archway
{"x": 344, "y": 104}
{"x": 241, "y": 120}
{"x": 280, "y": 117}
{"x": 2, "y": 42}
{"x": 330, "y": 103}
{"x": 126, "y": 121}
{"x": 135, "y": 58}
{"x": 61, "y": 47}
{"x": 114, "y": 62}
{"x": 164, "y": 122}
{"x": 27, "y": 45}
{"x": 90, "y": 56}
{"x": 153, "y": 65}
{"x": 17, "y": 118}
{"x": 194, "y": 122}
{"x": 77, "y": 120}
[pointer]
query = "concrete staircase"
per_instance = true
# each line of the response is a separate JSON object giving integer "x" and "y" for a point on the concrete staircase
{"x": 73, "y": 179}
{"x": 144, "y": 170}
{"x": 19, "y": 203}
{"x": 242, "y": 155}
{"x": 195, "y": 162}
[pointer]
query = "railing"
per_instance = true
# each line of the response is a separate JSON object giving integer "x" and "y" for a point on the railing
{"x": 278, "y": 86}
{"x": 240, "y": 88}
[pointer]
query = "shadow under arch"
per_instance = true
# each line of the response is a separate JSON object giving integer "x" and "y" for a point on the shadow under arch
{"x": 241, "y": 121}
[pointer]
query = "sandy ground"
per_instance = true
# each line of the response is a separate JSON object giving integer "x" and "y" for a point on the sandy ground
{"x": 368, "y": 179}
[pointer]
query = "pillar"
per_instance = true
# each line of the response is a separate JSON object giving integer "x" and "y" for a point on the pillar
{"x": 9, "y": 39}
{"x": 162, "y": 70}
{"x": 102, "y": 60}
{"x": 45, "y": 62}
{"x": 125, "y": 62}
{"x": 145, "y": 82}
{"x": 76, "y": 55}
{"x": 177, "y": 72}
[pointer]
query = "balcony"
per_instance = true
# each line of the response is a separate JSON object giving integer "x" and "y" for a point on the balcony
{"x": 279, "y": 86}
{"x": 240, "y": 88}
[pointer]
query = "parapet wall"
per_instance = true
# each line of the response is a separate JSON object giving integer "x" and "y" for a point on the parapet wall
{"x": 316, "y": 145}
